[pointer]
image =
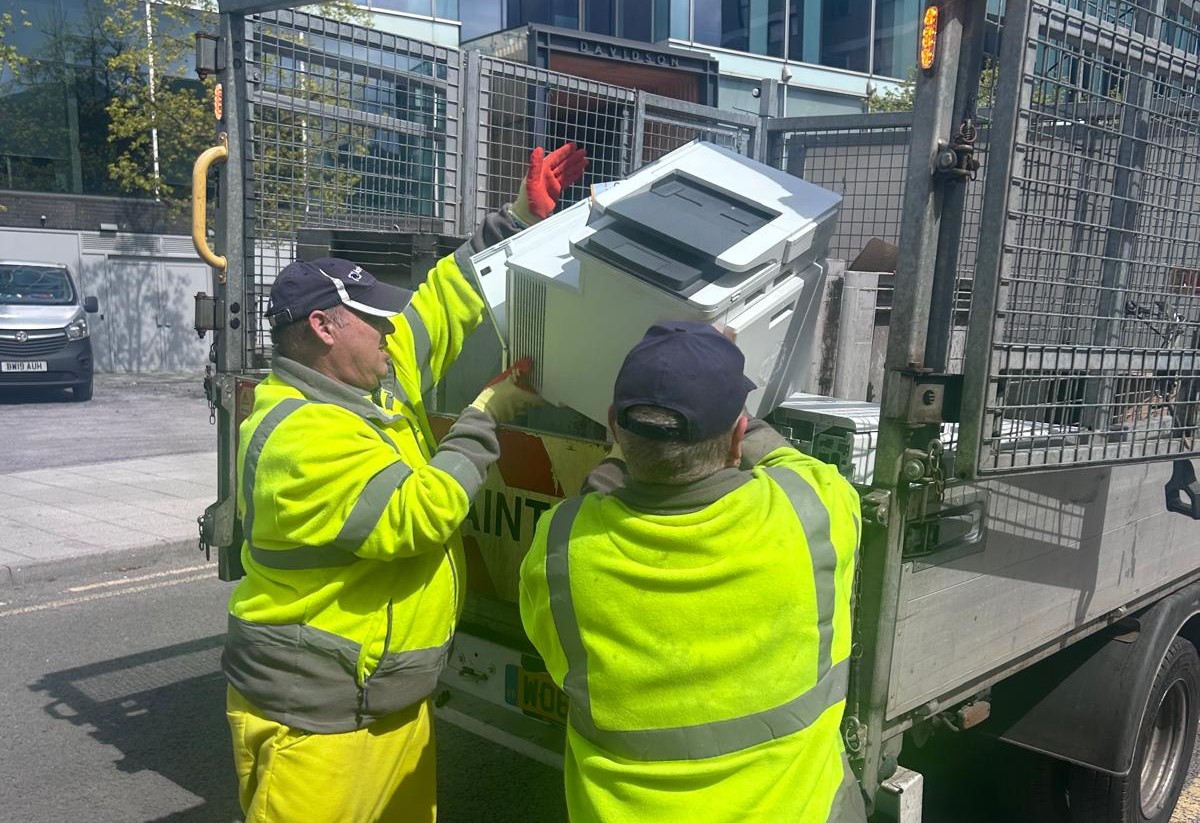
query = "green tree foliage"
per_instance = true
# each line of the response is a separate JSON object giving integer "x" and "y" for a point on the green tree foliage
{"x": 892, "y": 99}
{"x": 54, "y": 98}
{"x": 159, "y": 117}
{"x": 112, "y": 88}
{"x": 158, "y": 101}
{"x": 903, "y": 98}
{"x": 11, "y": 60}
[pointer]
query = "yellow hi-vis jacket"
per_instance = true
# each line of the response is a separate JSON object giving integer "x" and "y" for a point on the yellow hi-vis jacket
{"x": 702, "y": 634}
{"x": 354, "y": 566}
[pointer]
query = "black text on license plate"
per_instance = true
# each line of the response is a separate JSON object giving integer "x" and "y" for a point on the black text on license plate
{"x": 534, "y": 693}
{"x": 23, "y": 365}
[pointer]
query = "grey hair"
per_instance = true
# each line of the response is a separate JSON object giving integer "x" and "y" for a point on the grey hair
{"x": 670, "y": 462}
{"x": 295, "y": 340}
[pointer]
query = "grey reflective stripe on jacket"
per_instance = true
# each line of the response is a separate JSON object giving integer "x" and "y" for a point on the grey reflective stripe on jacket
{"x": 422, "y": 346}
{"x": 719, "y": 737}
{"x": 305, "y": 677}
{"x": 848, "y": 805}
{"x": 814, "y": 520}
{"x": 370, "y": 506}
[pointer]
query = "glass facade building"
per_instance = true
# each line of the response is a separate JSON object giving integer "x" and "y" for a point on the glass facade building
{"x": 867, "y": 36}
{"x": 55, "y": 102}
{"x": 55, "y": 108}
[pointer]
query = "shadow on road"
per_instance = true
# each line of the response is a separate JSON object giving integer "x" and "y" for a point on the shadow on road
{"x": 164, "y": 711}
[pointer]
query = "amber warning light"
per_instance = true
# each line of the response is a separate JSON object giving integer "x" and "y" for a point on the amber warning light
{"x": 929, "y": 25}
{"x": 218, "y": 101}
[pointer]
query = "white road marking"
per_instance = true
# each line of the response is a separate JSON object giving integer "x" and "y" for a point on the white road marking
{"x": 122, "y": 581}
{"x": 74, "y": 601}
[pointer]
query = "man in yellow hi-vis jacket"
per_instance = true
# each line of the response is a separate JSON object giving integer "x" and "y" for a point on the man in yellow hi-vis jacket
{"x": 695, "y": 606}
{"x": 350, "y": 511}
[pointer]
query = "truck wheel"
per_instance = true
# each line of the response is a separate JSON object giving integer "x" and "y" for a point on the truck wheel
{"x": 1163, "y": 755}
{"x": 82, "y": 392}
{"x": 1034, "y": 787}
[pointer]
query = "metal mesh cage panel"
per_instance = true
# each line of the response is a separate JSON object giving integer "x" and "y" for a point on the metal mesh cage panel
{"x": 668, "y": 124}
{"x": 864, "y": 158}
{"x": 348, "y": 128}
{"x": 1094, "y": 349}
{"x": 521, "y": 107}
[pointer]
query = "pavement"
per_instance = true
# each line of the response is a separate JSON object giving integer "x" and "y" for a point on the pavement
{"x": 65, "y": 510}
{"x": 102, "y": 517}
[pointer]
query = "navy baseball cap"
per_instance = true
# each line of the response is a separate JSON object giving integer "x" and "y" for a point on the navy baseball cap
{"x": 691, "y": 369}
{"x": 304, "y": 287}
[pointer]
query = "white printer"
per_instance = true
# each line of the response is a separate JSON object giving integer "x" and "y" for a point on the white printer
{"x": 703, "y": 234}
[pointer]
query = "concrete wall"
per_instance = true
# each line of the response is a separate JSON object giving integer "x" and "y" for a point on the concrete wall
{"x": 145, "y": 284}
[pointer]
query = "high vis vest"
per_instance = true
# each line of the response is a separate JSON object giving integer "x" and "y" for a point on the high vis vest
{"x": 353, "y": 561}
{"x": 704, "y": 644}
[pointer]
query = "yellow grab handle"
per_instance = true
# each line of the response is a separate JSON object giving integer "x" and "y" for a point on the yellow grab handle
{"x": 200, "y": 204}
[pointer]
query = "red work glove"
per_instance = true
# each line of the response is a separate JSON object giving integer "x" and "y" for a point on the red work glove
{"x": 507, "y": 394}
{"x": 548, "y": 175}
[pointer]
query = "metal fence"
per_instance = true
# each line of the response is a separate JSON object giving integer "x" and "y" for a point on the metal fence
{"x": 1097, "y": 294}
{"x": 864, "y": 158}
{"x": 1093, "y": 355}
{"x": 348, "y": 127}
{"x": 667, "y": 124}
{"x": 352, "y": 128}
{"x": 521, "y": 106}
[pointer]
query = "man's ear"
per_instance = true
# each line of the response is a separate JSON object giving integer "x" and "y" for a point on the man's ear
{"x": 734, "y": 458}
{"x": 322, "y": 326}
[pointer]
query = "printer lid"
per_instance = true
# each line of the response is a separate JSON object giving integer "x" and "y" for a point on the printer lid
{"x": 795, "y": 207}
{"x": 685, "y": 211}
{"x": 671, "y": 233}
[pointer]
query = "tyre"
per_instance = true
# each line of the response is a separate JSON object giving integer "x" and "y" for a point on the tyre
{"x": 1033, "y": 787}
{"x": 1162, "y": 754}
{"x": 82, "y": 392}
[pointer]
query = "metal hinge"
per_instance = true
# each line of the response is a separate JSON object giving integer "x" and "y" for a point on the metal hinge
{"x": 875, "y": 506}
{"x": 955, "y": 161}
{"x": 209, "y": 314}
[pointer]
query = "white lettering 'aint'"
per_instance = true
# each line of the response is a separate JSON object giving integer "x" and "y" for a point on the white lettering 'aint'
{"x": 494, "y": 514}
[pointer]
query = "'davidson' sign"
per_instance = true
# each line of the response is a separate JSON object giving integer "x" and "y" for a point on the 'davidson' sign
{"x": 615, "y": 52}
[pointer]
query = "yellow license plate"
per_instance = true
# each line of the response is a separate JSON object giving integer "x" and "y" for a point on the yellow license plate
{"x": 535, "y": 694}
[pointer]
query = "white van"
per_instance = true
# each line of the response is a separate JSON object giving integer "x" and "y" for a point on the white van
{"x": 44, "y": 336}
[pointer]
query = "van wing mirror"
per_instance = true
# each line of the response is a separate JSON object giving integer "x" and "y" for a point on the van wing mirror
{"x": 91, "y": 305}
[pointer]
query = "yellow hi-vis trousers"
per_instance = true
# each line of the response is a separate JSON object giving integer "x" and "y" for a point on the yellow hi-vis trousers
{"x": 385, "y": 773}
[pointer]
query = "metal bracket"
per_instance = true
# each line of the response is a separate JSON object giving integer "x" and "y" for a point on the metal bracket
{"x": 955, "y": 161}
{"x": 1183, "y": 490}
{"x": 957, "y": 529}
{"x": 902, "y": 796}
{"x": 875, "y": 506}
{"x": 206, "y": 525}
{"x": 934, "y": 398}
{"x": 209, "y": 314}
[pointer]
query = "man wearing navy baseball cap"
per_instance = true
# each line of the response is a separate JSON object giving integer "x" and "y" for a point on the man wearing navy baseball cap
{"x": 705, "y": 555}
{"x": 314, "y": 301}
{"x": 350, "y": 510}
{"x": 303, "y": 287}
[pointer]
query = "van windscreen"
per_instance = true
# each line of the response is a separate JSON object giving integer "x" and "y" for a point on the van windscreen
{"x": 23, "y": 284}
